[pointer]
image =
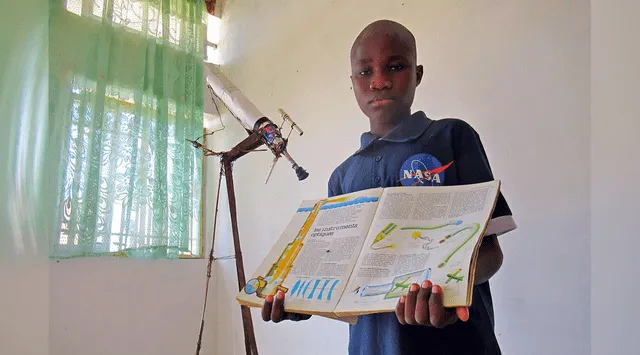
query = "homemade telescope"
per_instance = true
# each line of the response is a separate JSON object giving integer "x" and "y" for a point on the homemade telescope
{"x": 261, "y": 131}
{"x": 253, "y": 120}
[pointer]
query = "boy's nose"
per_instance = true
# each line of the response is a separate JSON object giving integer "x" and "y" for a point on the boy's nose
{"x": 380, "y": 82}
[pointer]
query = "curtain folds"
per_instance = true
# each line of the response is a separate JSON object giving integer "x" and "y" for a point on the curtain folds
{"x": 126, "y": 85}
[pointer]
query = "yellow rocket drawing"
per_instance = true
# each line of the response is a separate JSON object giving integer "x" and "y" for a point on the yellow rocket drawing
{"x": 271, "y": 282}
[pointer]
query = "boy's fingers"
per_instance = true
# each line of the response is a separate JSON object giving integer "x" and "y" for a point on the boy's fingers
{"x": 277, "y": 312}
{"x": 266, "y": 308}
{"x": 296, "y": 316}
{"x": 422, "y": 304}
{"x": 400, "y": 310}
{"x": 300, "y": 316}
{"x": 410, "y": 304}
{"x": 439, "y": 316}
{"x": 462, "y": 313}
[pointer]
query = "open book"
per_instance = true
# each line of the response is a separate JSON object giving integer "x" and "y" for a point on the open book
{"x": 358, "y": 253}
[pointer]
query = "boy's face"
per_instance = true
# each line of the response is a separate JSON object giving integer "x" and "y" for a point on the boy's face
{"x": 384, "y": 76}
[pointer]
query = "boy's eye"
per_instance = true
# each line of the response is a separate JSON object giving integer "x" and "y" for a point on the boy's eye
{"x": 365, "y": 72}
{"x": 396, "y": 67}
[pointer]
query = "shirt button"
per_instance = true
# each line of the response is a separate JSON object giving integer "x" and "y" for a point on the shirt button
{"x": 377, "y": 179}
{"x": 378, "y": 158}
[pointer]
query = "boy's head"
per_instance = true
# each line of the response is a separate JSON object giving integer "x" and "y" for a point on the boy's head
{"x": 384, "y": 71}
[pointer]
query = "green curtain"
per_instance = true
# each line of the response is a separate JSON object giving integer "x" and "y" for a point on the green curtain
{"x": 126, "y": 83}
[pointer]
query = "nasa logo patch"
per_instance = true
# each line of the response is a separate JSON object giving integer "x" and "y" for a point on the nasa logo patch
{"x": 423, "y": 170}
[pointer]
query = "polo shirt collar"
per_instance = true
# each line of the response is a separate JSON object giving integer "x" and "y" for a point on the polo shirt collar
{"x": 407, "y": 130}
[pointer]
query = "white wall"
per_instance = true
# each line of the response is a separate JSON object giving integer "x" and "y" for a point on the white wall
{"x": 518, "y": 71}
{"x": 615, "y": 123}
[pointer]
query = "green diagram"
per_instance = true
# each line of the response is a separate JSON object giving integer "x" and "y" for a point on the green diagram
{"x": 474, "y": 228}
{"x": 382, "y": 235}
{"x": 396, "y": 288}
{"x": 455, "y": 276}
{"x": 417, "y": 234}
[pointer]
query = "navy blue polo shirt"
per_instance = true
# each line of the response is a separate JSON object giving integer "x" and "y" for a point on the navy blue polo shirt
{"x": 424, "y": 152}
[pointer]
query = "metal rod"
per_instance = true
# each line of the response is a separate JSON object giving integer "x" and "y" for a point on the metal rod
{"x": 213, "y": 242}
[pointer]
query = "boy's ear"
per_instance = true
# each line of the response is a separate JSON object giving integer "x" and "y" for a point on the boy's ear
{"x": 419, "y": 74}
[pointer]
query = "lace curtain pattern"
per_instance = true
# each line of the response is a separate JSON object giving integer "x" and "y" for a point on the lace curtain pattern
{"x": 127, "y": 85}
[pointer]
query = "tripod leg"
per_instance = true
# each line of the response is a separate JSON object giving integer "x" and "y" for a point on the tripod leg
{"x": 247, "y": 323}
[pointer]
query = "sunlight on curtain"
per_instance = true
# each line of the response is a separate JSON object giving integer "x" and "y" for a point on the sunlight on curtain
{"x": 127, "y": 83}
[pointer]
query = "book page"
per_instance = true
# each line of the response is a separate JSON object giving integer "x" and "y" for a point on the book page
{"x": 314, "y": 257}
{"x": 420, "y": 233}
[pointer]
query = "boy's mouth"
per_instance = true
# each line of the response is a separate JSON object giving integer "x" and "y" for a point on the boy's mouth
{"x": 380, "y": 102}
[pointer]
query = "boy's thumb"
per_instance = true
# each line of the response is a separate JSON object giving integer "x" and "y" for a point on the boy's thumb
{"x": 463, "y": 313}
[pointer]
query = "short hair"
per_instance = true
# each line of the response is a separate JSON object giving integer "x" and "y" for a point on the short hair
{"x": 387, "y": 27}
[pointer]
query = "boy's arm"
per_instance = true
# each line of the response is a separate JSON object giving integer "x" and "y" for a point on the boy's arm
{"x": 423, "y": 303}
{"x": 490, "y": 259}
{"x": 472, "y": 166}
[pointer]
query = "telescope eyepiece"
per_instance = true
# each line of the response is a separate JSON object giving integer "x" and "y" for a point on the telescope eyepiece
{"x": 301, "y": 173}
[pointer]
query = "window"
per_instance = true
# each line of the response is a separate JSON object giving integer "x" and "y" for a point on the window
{"x": 140, "y": 16}
{"x": 130, "y": 182}
{"x": 126, "y": 219}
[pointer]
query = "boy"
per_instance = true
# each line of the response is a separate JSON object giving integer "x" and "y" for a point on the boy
{"x": 385, "y": 76}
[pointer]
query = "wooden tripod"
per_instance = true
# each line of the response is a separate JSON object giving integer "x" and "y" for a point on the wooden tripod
{"x": 227, "y": 159}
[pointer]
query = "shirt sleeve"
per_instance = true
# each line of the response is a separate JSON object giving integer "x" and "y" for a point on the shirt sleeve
{"x": 472, "y": 166}
{"x": 330, "y": 192}
{"x": 334, "y": 185}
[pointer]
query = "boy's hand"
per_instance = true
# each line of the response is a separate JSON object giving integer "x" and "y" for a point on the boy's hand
{"x": 423, "y": 306}
{"x": 274, "y": 310}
